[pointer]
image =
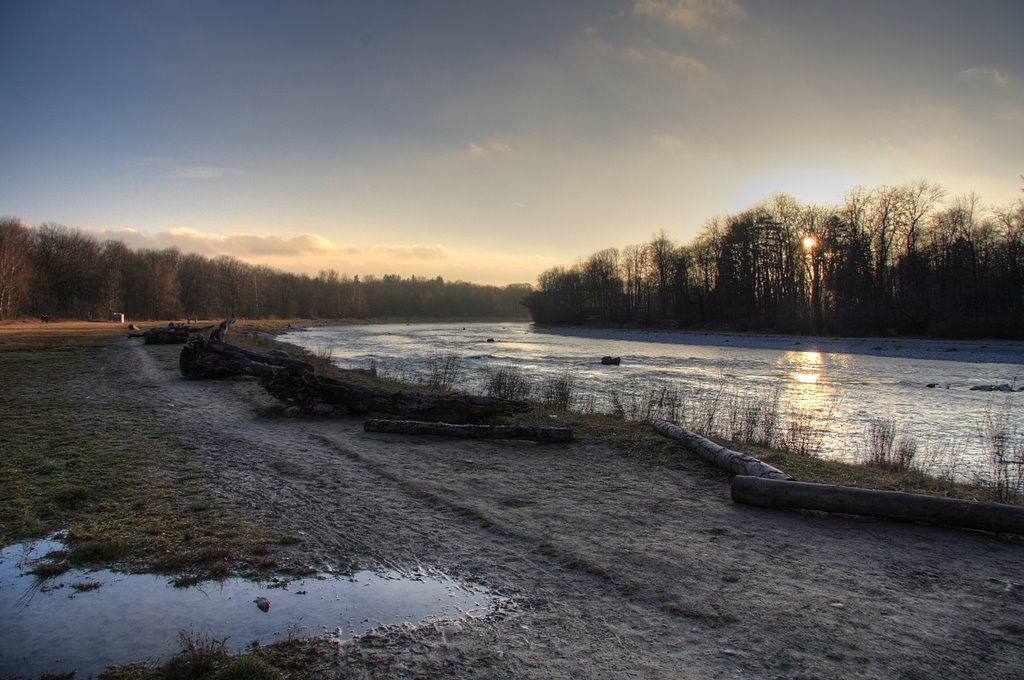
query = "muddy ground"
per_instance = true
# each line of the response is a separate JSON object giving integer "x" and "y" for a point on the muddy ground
{"x": 616, "y": 568}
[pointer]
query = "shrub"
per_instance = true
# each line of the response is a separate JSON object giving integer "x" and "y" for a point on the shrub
{"x": 559, "y": 392}
{"x": 508, "y": 382}
{"x": 888, "y": 451}
{"x": 444, "y": 371}
{"x": 1006, "y": 455}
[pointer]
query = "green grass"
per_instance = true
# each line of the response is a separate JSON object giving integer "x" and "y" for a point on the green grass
{"x": 106, "y": 469}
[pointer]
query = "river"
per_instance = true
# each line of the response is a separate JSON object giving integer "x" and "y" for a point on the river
{"x": 826, "y": 394}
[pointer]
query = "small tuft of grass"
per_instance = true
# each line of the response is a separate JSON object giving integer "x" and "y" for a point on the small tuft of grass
{"x": 560, "y": 391}
{"x": 46, "y": 568}
{"x": 508, "y": 382}
{"x": 886, "y": 449}
{"x": 200, "y": 657}
{"x": 291, "y": 538}
{"x": 86, "y": 586}
{"x": 100, "y": 551}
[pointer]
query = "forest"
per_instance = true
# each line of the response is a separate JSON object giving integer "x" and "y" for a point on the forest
{"x": 61, "y": 272}
{"x": 895, "y": 260}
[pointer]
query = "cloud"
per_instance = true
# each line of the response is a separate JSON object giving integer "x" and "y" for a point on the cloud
{"x": 691, "y": 14}
{"x": 415, "y": 252}
{"x": 246, "y": 245}
{"x": 1011, "y": 115}
{"x": 488, "y": 149}
{"x": 202, "y": 172}
{"x": 984, "y": 74}
{"x": 677, "y": 61}
{"x": 241, "y": 245}
{"x": 174, "y": 168}
{"x": 669, "y": 141}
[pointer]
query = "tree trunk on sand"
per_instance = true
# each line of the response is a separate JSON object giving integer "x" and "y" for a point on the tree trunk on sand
{"x": 212, "y": 359}
{"x": 313, "y": 394}
{"x": 726, "y": 459}
{"x": 538, "y": 434}
{"x": 294, "y": 383}
{"x": 892, "y": 505}
{"x": 166, "y": 335}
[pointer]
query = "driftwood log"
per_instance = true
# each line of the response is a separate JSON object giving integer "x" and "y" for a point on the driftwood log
{"x": 203, "y": 358}
{"x": 462, "y": 431}
{"x": 726, "y": 459}
{"x": 295, "y": 384}
{"x": 892, "y": 505}
{"x": 166, "y": 335}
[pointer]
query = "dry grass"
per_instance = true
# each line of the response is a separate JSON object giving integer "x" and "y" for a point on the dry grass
{"x": 34, "y": 335}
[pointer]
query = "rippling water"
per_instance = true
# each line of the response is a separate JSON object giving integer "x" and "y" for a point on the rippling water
{"x": 922, "y": 386}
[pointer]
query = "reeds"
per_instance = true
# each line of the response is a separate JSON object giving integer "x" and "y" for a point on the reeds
{"x": 508, "y": 382}
{"x": 1004, "y": 445}
{"x": 762, "y": 417}
{"x": 444, "y": 370}
{"x": 886, "y": 449}
{"x": 559, "y": 391}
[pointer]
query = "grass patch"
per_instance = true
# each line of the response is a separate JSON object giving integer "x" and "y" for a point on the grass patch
{"x": 45, "y": 569}
{"x": 96, "y": 462}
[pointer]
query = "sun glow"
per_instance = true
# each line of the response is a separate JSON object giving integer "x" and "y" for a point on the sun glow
{"x": 805, "y": 371}
{"x": 816, "y": 186}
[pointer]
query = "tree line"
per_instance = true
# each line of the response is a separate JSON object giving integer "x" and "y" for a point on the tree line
{"x": 892, "y": 260}
{"x": 62, "y": 272}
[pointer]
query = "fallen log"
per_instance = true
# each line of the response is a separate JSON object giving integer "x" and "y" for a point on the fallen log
{"x": 318, "y": 394}
{"x": 726, "y": 459}
{"x": 166, "y": 335}
{"x": 294, "y": 383}
{"x": 418, "y": 427}
{"x": 893, "y": 505}
{"x": 210, "y": 359}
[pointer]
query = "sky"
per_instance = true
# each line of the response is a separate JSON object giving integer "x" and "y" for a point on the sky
{"x": 488, "y": 140}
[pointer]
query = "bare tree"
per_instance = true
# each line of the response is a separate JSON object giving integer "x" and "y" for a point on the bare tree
{"x": 15, "y": 243}
{"x": 66, "y": 267}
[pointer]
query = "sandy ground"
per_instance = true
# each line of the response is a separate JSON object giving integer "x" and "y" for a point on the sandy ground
{"x": 616, "y": 568}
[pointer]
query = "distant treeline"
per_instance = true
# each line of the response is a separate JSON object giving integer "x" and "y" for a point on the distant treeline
{"x": 60, "y": 272}
{"x": 893, "y": 260}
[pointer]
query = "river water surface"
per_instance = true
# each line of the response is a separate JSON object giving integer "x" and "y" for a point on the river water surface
{"x": 927, "y": 389}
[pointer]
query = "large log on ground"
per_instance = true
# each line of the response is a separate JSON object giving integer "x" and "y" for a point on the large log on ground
{"x": 418, "y": 427}
{"x": 166, "y": 335}
{"x": 313, "y": 394}
{"x": 294, "y": 383}
{"x": 892, "y": 505}
{"x": 727, "y": 459}
{"x": 203, "y": 358}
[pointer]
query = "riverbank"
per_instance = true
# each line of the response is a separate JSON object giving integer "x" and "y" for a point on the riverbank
{"x": 619, "y": 556}
{"x": 976, "y": 351}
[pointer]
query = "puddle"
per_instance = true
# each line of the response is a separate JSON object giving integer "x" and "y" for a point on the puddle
{"x": 88, "y": 620}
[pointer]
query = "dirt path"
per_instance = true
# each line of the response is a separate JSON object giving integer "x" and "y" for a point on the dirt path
{"x": 617, "y": 568}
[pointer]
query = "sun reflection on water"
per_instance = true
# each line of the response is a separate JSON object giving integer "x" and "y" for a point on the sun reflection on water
{"x": 805, "y": 388}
